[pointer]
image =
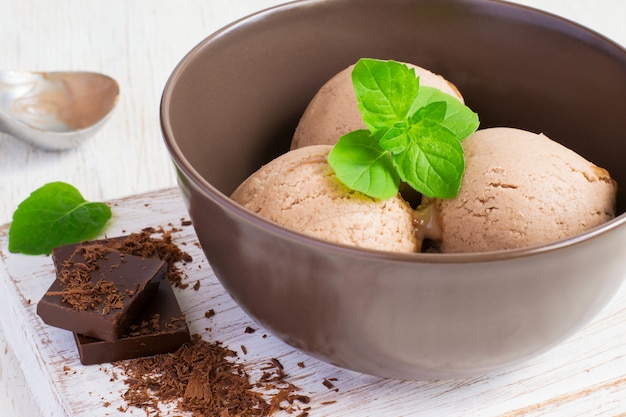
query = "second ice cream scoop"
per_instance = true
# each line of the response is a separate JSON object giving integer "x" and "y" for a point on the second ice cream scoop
{"x": 522, "y": 189}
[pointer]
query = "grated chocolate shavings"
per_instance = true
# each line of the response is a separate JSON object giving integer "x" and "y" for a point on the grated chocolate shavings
{"x": 274, "y": 378}
{"x": 201, "y": 378}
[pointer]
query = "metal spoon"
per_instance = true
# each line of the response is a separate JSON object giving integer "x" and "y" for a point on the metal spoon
{"x": 55, "y": 110}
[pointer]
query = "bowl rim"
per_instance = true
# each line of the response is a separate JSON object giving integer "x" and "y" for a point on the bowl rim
{"x": 284, "y": 233}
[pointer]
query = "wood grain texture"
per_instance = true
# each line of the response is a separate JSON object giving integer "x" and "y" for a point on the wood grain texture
{"x": 584, "y": 376}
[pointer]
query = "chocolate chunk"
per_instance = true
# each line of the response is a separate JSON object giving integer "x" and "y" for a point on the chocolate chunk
{"x": 160, "y": 328}
{"x": 99, "y": 291}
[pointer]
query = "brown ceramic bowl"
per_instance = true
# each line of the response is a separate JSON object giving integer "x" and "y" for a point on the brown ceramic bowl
{"x": 233, "y": 103}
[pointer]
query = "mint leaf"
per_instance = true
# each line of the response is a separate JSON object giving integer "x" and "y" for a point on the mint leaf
{"x": 415, "y": 134}
{"x": 433, "y": 167}
{"x": 385, "y": 91}
{"x": 459, "y": 118}
{"x": 362, "y": 165}
{"x": 395, "y": 139}
{"x": 55, "y": 214}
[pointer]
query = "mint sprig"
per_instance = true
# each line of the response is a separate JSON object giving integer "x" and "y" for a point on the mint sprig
{"x": 55, "y": 214}
{"x": 414, "y": 135}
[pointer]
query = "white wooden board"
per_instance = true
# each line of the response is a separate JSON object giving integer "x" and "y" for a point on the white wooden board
{"x": 584, "y": 376}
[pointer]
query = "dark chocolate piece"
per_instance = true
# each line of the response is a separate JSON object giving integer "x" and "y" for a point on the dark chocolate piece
{"x": 99, "y": 292}
{"x": 160, "y": 328}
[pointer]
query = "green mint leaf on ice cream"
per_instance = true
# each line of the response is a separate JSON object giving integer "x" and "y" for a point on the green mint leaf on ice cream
{"x": 55, "y": 214}
{"x": 414, "y": 135}
{"x": 370, "y": 166}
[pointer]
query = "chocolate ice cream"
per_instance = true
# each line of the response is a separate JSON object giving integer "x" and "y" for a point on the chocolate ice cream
{"x": 299, "y": 190}
{"x": 521, "y": 189}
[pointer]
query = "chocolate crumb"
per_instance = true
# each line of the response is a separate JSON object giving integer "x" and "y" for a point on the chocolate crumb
{"x": 274, "y": 371}
{"x": 210, "y": 313}
{"x": 244, "y": 349}
{"x": 278, "y": 364}
{"x": 328, "y": 384}
{"x": 185, "y": 222}
{"x": 300, "y": 364}
{"x": 196, "y": 286}
{"x": 249, "y": 330}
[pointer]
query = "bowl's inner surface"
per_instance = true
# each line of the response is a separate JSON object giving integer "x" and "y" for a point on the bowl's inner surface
{"x": 237, "y": 104}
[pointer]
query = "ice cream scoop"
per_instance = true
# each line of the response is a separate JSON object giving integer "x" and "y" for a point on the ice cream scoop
{"x": 334, "y": 111}
{"x": 522, "y": 189}
{"x": 300, "y": 191}
{"x": 55, "y": 110}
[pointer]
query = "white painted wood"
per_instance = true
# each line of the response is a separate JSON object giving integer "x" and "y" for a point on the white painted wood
{"x": 139, "y": 42}
{"x": 584, "y": 376}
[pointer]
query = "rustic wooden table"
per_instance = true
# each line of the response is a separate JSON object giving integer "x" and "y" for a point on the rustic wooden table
{"x": 139, "y": 42}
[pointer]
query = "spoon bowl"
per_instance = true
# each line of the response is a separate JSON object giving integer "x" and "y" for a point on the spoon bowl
{"x": 55, "y": 110}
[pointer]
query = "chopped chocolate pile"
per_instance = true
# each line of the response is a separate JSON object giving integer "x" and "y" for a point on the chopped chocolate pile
{"x": 161, "y": 364}
{"x": 201, "y": 378}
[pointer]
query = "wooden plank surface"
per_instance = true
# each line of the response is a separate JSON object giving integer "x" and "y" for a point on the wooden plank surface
{"x": 584, "y": 376}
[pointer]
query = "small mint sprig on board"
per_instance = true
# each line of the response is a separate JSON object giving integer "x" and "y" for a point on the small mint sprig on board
{"x": 414, "y": 134}
{"x": 55, "y": 214}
